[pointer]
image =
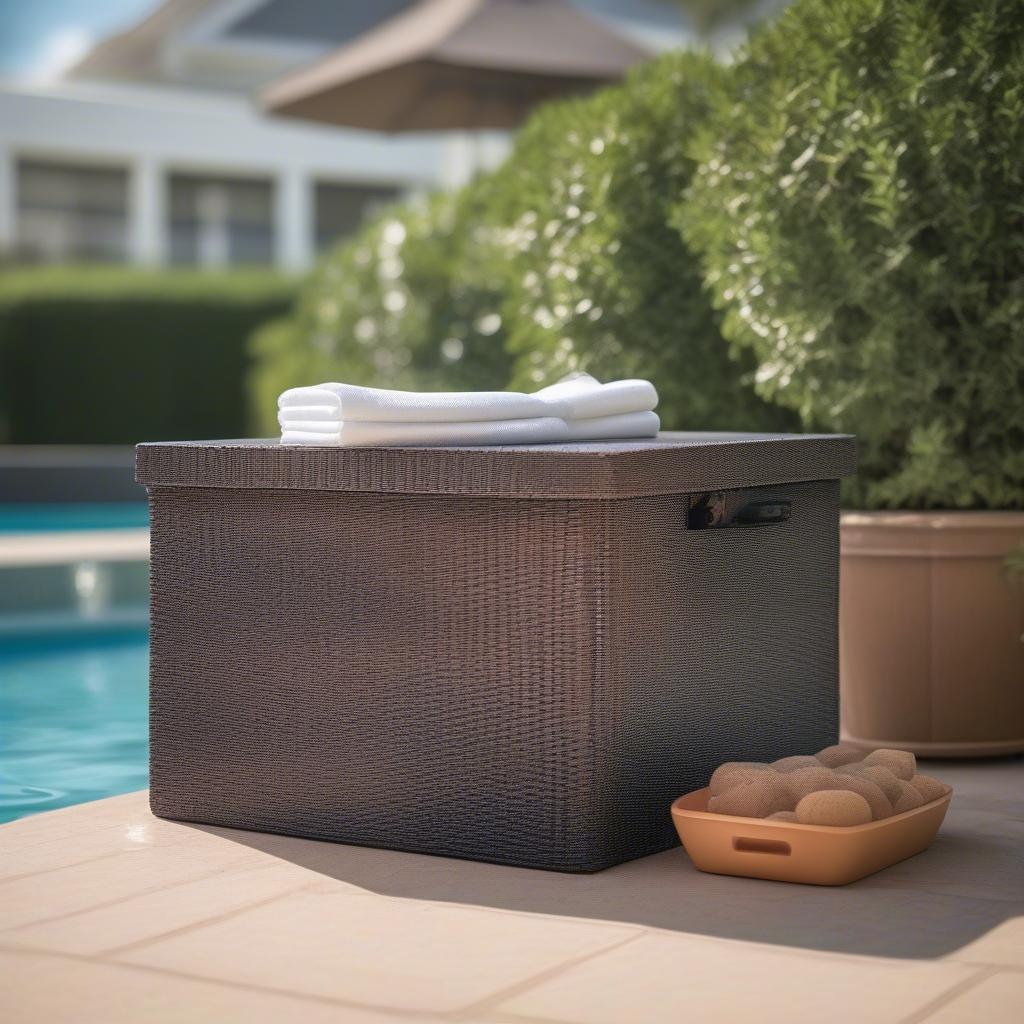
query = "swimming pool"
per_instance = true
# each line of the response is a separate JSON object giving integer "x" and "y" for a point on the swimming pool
{"x": 73, "y": 655}
{"x": 73, "y": 717}
{"x": 35, "y": 517}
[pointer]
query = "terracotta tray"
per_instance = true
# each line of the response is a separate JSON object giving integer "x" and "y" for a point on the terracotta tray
{"x": 788, "y": 852}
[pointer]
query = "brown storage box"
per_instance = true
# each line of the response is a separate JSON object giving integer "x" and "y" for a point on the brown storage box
{"x": 517, "y": 654}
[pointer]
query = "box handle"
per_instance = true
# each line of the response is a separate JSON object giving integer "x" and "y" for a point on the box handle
{"x": 764, "y": 513}
{"x": 717, "y": 510}
{"x": 748, "y": 844}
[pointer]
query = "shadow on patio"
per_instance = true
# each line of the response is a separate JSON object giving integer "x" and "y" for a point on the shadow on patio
{"x": 967, "y": 883}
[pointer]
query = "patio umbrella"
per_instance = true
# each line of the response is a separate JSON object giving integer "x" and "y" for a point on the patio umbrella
{"x": 456, "y": 65}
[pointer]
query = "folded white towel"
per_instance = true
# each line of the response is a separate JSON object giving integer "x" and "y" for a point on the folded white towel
{"x": 576, "y": 409}
{"x": 324, "y": 413}
{"x": 577, "y": 397}
{"x": 356, "y": 432}
{"x": 316, "y": 426}
{"x": 622, "y": 426}
{"x": 375, "y": 405}
{"x": 583, "y": 397}
{"x": 537, "y": 430}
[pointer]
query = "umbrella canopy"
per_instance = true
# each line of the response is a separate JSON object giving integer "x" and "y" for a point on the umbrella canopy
{"x": 458, "y": 64}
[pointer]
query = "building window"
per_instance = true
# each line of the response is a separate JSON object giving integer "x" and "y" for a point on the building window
{"x": 341, "y": 209}
{"x": 68, "y": 212}
{"x": 218, "y": 222}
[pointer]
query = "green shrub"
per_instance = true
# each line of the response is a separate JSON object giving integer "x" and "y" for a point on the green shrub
{"x": 389, "y": 308}
{"x": 115, "y": 356}
{"x": 859, "y": 210}
{"x": 594, "y": 275}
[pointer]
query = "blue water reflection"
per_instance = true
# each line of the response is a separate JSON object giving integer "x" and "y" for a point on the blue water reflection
{"x": 73, "y": 723}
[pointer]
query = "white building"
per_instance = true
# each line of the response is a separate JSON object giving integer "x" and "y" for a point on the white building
{"x": 151, "y": 149}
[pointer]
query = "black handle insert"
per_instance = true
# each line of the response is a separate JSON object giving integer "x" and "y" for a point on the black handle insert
{"x": 763, "y": 513}
{"x": 726, "y": 510}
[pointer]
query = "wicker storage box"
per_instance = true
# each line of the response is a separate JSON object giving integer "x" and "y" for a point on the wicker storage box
{"x": 517, "y": 654}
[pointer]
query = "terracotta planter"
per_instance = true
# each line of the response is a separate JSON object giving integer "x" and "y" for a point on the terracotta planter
{"x": 931, "y": 632}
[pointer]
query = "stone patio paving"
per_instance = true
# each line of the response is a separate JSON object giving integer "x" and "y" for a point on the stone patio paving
{"x": 110, "y": 915}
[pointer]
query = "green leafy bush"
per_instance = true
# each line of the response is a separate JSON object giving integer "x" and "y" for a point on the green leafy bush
{"x": 561, "y": 259}
{"x": 115, "y": 356}
{"x": 594, "y": 275}
{"x": 860, "y": 211}
{"x": 390, "y": 308}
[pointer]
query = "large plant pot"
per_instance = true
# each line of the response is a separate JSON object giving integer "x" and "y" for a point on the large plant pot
{"x": 931, "y": 637}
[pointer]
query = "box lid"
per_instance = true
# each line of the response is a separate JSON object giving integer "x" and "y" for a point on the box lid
{"x": 671, "y": 463}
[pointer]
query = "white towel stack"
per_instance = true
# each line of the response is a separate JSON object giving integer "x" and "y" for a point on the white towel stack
{"x": 578, "y": 408}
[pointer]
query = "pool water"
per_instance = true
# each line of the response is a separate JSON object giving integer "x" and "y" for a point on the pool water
{"x": 61, "y": 516}
{"x": 73, "y": 722}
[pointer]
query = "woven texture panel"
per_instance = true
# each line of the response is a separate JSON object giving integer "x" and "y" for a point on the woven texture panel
{"x": 669, "y": 464}
{"x": 528, "y": 681}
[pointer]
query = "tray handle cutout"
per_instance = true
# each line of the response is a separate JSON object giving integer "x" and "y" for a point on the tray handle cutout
{"x": 724, "y": 510}
{"x": 748, "y": 844}
{"x": 764, "y": 513}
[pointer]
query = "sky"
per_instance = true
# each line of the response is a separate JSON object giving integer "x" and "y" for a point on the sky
{"x": 40, "y": 38}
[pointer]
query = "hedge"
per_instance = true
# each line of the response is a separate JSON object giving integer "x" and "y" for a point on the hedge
{"x": 115, "y": 356}
{"x": 593, "y": 274}
{"x": 859, "y": 211}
